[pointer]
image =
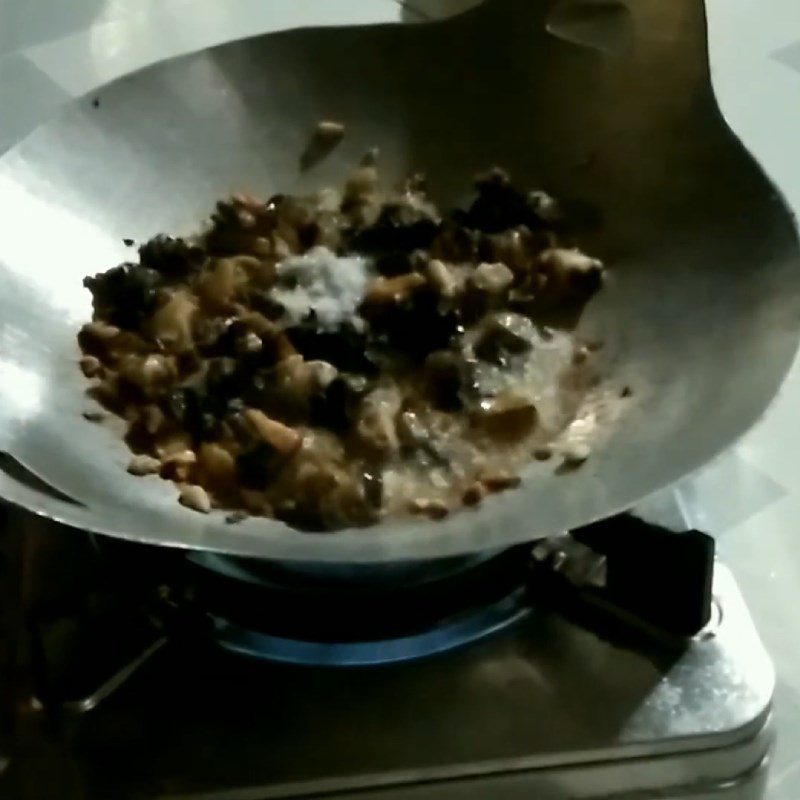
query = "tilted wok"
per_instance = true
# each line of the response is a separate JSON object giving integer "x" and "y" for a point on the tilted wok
{"x": 605, "y": 104}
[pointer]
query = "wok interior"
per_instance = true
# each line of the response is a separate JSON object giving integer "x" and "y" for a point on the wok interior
{"x": 700, "y": 315}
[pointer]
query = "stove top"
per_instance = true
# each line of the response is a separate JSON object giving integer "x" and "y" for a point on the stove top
{"x": 107, "y": 701}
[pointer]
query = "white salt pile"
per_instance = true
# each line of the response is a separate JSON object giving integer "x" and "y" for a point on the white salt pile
{"x": 322, "y": 282}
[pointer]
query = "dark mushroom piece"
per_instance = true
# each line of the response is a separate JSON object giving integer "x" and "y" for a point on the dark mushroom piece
{"x": 447, "y": 376}
{"x": 344, "y": 347}
{"x": 258, "y": 466}
{"x": 172, "y": 258}
{"x": 336, "y": 407}
{"x": 400, "y": 228}
{"x": 499, "y": 206}
{"x": 125, "y": 295}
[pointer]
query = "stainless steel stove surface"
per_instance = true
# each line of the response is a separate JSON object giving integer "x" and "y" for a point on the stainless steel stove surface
{"x": 545, "y": 709}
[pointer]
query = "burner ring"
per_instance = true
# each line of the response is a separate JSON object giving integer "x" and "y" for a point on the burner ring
{"x": 266, "y": 611}
{"x": 467, "y": 629}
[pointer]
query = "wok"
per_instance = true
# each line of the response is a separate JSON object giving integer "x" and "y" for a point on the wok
{"x": 607, "y": 104}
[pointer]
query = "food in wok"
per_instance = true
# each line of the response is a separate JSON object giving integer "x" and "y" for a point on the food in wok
{"x": 333, "y": 359}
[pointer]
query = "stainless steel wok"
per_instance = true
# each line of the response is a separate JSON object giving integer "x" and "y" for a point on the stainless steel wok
{"x": 605, "y": 103}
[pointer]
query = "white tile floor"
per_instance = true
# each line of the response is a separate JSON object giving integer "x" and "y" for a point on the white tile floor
{"x": 750, "y": 498}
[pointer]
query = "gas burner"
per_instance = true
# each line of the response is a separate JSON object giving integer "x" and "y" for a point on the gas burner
{"x": 339, "y": 616}
{"x": 447, "y": 635}
{"x": 598, "y": 686}
{"x": 620, "y": 573}
{"x": 615, "y": 577}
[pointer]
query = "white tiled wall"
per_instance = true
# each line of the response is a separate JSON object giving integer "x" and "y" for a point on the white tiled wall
{"x": 52, "y": 50}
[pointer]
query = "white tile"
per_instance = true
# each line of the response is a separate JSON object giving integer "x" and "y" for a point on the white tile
{"x": 789, "y": 56}
{"x": 757, "y": 94}
{"x": 763, "y": 552}
{"x": 755, "y": 54}
{"x": 727, "y": 493}
{"x": 59, "y": 50}
{"x": 784, "y": 776}
{"x": 750, "y": 29}
{"x": 24, "y": 23}
{"x": 27, "y": 98}
{"x": 82, "y": 61}
{"x": 665, "y": 509}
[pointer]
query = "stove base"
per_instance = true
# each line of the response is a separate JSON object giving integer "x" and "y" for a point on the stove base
{"x": 581, "y": 784}
{"x": 545, "y": 709}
